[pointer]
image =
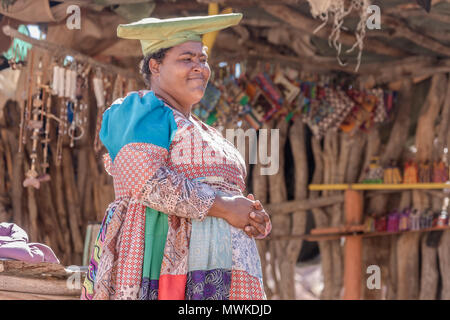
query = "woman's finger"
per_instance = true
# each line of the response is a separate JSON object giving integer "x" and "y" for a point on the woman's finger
{"x": 250, "y": 196}
{"x": 251, "y": 231}
{"x": 257, "y": 205}
{"x": 260, "y": 227}
{"x": 257, "y": 216}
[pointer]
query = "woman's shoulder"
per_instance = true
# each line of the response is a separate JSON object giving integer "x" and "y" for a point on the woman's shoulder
{"x": 139, "y": 117}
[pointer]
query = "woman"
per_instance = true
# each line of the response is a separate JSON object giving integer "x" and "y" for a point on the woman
{"x": 180, "y": 227}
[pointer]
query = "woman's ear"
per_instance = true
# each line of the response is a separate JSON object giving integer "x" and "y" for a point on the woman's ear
{"x": 153, "y": 66}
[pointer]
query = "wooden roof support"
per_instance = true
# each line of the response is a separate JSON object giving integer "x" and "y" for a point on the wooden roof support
{"x": 57, "y": 49}
{"x": 401, "y": 29}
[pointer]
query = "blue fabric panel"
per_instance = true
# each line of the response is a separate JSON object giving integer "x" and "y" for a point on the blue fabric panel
{"x": 210, "y": 245}
{"x": 137, "y": 119}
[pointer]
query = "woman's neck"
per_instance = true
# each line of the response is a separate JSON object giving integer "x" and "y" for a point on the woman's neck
{"x": 185, "y": 110}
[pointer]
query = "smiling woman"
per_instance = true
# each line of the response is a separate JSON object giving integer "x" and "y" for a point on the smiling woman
{"x": 180, "y": 227}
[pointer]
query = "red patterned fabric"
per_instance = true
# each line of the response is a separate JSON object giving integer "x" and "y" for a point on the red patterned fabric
{"x": 245, "y": 287}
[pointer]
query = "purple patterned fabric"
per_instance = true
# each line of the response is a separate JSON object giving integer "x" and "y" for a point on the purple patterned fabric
{"x": 208, "y": 284}
{"x": 149, "y": 289}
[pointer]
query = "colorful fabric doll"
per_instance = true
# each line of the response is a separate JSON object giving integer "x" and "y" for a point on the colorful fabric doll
{"x": 393, "y": 221}
{"x": 443, "y": 219}
{"x": 426, "y": 219}
{"x": 374, "y": 173}
{"x": 425, "y": 172}
{"x": 405, "y": 221}
{"x": 370, "y": 223}
{"x": 410, "y": 173}
{"x": 392, "y": 174}
{"x": 415, "y": 219}
{"x": 380, "y": 224}
{"x": 440, "y": 173}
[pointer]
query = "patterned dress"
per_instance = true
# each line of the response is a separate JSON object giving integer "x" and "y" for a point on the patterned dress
{"x": 156, "y": 240}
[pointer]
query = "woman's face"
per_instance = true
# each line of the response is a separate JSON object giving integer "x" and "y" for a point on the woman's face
{"x": 184, "y": 72}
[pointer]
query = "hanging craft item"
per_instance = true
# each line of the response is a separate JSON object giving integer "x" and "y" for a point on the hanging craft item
{"x": 425, "y": 172}
{"x": 392, "y": 173}
{"x": 289, "y": 90}
{"x": 336, "y": 9}
{"x": 26, "y": 110}
{"x": 374, "y": 173}
{"x": 100, "y": 96}
{"x": 70, "y": 95}
{"x": 47, "y": 113}
{"x": 440, "y": 172}
{"x": 211, "y": 97}
{"x": 410, "y": 174}
{"x": 35, "y": 123}
{"x": 369, "y": 108}
{"x": 62, "y": 127}
{"x": 328, "y": 113}
{"x": 267, "y": 99}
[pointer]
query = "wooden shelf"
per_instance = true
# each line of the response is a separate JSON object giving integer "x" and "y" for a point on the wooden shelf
{"x": 318, "y": 235}
{"x": 379, "y": 186}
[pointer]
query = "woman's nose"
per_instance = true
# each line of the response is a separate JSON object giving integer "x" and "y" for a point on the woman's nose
{"x": 198, "y": 67}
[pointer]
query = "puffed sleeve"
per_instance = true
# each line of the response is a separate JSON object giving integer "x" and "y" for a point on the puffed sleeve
{"x": 137, "y": 134}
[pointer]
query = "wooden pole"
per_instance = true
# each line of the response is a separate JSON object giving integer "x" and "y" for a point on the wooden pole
{"x": 353, "y": 246}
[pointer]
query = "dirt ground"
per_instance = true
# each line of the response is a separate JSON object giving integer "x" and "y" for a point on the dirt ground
{"x": 308, "y": 280}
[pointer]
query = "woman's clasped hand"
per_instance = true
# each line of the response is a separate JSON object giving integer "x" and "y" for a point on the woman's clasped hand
{"x": 243, "y": 213}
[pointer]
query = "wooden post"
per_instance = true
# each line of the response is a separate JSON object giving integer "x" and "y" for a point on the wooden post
{"x": 353, "y": 246}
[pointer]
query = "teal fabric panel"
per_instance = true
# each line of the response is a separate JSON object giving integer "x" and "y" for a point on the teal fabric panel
{"x": 137, "y": 119}
{"x": 210, "y": 245}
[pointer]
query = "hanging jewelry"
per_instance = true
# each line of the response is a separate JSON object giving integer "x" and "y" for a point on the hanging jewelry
{"x": 59, "y": 88}
{"x": 47, "y": 111}
{"x": 100, "y": 94}
{"x": 26, "y": 110}
{"x": 36, "y": 124}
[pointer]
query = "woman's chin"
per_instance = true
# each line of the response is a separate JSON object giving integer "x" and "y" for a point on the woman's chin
{"x": 197, "y": 94}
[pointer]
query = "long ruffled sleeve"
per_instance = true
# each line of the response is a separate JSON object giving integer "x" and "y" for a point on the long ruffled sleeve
{"x": 143, "y": 171}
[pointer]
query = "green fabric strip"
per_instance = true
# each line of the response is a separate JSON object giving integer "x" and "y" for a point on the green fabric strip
{"x": 156, "y": 227}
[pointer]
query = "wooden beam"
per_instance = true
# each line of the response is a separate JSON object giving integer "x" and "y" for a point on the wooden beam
{"x": 401, "y": 29}
{"x": 308, "y": 204}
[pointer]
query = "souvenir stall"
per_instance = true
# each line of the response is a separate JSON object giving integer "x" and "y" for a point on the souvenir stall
{"x": 361, "y": 137}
